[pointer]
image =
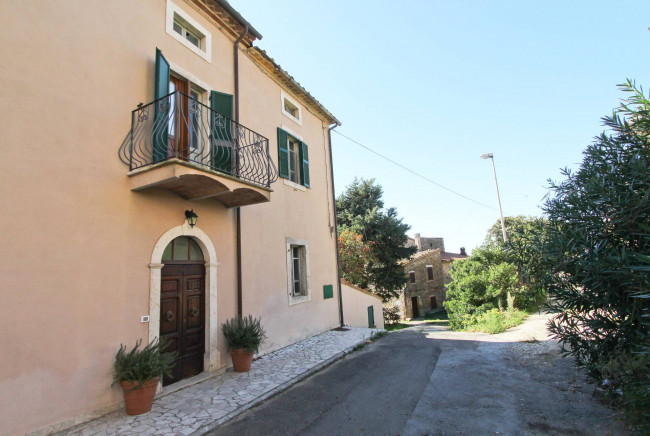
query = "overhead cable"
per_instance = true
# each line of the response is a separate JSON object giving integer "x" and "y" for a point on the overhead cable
{"x": 414, "y": 172}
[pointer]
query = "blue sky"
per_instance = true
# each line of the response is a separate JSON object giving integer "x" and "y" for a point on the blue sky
{"x": 433, "y": 85}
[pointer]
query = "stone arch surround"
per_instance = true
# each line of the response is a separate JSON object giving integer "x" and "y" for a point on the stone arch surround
{"x": 211, "y": 359}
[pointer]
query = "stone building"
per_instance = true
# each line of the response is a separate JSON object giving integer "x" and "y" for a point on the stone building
{"x": 425, "y": 243}
{"x": 428, "y": 276}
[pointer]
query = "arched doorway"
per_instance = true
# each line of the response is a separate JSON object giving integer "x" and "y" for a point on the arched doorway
{"x": 182, "y": 306}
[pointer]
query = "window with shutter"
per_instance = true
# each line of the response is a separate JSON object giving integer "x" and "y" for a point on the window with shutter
{"x": 293, "y": 158}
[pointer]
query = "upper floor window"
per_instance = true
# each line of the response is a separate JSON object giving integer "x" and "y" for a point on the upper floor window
{"x": 412, "y": 276}
{"x": 188, "y": 31}
{"x": 429, "y": 272}
{"x": 291, "y": 108}
{"x": 293, "y": 159}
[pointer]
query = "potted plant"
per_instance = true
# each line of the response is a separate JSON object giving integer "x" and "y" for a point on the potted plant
{"x": 138, "y": 372}
{"x": 244, "y": 337}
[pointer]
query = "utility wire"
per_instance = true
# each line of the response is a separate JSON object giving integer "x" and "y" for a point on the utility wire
{"x": 413, "y": 172}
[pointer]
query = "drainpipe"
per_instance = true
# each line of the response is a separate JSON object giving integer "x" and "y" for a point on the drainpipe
{"x": 336, "y": 229}
{"x": 238, "y": 213}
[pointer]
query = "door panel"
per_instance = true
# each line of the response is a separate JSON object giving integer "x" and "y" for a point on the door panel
{"x": 182, "y": 317}
{"x": 416, "y": 309}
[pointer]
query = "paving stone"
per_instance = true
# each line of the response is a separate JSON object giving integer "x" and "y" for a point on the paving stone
{"x": 207, "y": 403}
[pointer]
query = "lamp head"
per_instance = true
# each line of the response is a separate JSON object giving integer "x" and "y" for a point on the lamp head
{"x": 487, "y": 156}
{"x": 191, "y": 217}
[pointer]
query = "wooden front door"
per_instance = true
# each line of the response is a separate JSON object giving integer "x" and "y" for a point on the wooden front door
{"x": 414, "y": 306}
{"x": 182, "y": 317}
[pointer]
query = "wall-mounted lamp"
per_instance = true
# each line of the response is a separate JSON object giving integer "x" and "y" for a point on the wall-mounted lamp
{"x": 191, "y": 217}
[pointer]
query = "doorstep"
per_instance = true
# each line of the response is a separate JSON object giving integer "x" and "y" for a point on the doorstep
{"x": 206, "y": 401}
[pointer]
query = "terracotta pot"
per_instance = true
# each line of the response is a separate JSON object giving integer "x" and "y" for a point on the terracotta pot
{"x": 138, "y": 399}
{"x": 241, "y": 359}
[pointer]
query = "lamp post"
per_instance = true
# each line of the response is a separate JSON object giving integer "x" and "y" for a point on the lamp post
{"x": 503, "y": 224}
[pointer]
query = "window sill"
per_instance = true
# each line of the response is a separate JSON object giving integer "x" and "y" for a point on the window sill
{"x": 292, "y": 118}
{"x": 294, "y": 185}
{"x": 298, "y": 300}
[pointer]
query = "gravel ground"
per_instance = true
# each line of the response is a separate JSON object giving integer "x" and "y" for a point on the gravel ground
{"x": 514, "y": 383}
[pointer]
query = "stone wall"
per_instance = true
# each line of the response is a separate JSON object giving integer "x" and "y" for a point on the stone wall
{"x": 424, "y": 244}
{"x": 424, "y": 289}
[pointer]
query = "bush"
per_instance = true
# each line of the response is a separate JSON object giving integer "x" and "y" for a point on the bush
{"x": 392, "y": 312}
{"x": 484, "y": 281}
{"x": 246, "y": 333}
{"x": 140, "y": 365}
{"x": 625, "y": 379}
{"x": 599, "y": 242}
{"x": 494, "y": 321}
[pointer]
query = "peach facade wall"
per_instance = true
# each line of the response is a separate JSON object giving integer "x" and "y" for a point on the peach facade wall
{"x": 78, "y": 243}
{"x": 355, "y": 307}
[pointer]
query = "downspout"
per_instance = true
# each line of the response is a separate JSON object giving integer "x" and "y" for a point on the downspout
{"x": 336, "y": 229}
{"x": 238, "y": 213}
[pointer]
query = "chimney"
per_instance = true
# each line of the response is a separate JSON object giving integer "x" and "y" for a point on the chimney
{"x": 418, "y": 241}
{"x": 462, "y": 251}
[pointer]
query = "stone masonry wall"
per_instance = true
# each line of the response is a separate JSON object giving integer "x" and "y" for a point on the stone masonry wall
{"x": 423, "y": 288}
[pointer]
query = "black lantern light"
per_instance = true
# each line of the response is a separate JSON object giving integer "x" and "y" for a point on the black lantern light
{"x": 191, "y": 217}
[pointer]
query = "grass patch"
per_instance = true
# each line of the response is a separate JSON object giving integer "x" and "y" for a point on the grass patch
{"x": 396, "y": 326}
{"x": 359, "y": 346}
{"x": 439, "y": 315}
{"x": 494, "y": 321}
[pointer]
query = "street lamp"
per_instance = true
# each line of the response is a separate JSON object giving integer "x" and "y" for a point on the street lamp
{"x": 503, "y": 225}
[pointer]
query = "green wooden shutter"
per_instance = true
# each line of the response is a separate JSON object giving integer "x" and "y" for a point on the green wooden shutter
{"x": 221, "y": 132}
{"x": 161, "y": 112}
{"x": 283, "y": 153}
{"x": 304, "y": 158}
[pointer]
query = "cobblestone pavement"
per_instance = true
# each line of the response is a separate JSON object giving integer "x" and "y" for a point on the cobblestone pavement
{"x": 201, "y": 407}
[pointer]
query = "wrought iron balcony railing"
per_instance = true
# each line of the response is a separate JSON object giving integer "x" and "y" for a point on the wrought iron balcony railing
{"x": 179, "y": 127}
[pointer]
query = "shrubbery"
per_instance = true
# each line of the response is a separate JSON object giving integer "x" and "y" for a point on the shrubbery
{"x": 599, "y": 244}
{"x": 484, "y": 282}
{"x": 392, "y": 312}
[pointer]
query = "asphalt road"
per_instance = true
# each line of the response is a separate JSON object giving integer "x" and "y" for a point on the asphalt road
{"x": 371, "y": 391}
{"x": 427, "y": 380}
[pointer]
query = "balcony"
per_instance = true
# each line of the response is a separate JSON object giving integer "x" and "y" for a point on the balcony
{"x": 179, "y": 144}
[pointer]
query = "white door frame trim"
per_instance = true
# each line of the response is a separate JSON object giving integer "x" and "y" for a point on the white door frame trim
{"x": 211, "y": 360}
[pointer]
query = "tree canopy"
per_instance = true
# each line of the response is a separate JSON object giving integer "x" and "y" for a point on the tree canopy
{"x": 360, "y": 211}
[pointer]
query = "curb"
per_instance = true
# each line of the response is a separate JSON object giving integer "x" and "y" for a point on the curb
{"x": 280, "y": 388}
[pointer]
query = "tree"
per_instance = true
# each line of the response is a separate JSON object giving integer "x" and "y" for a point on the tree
{"x": 355, "y": 255}
{"x": 525, "y": 250}
{"x": 599, "y": 242}
{"x": 360, "y": 210}
{"x": 483, "y": 281}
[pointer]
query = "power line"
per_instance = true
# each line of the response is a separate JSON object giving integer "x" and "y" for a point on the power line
{"x": 413, "y": 172}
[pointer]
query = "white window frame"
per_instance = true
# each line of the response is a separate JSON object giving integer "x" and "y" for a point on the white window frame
{"x": 284, "y": 96}
{"x": 205, "y": 51}
{"x": 306, "y": 295}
